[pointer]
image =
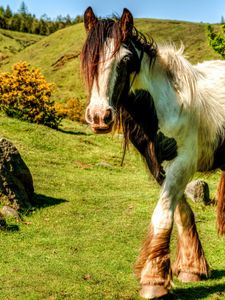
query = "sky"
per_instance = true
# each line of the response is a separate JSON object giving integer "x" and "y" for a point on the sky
{"x": 207, "y": 11}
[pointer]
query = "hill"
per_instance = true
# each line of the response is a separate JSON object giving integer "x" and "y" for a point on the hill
{"x": 58, "y": 54}
{"x": 12, "y": 42}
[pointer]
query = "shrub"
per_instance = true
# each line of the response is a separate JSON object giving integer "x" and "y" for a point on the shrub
{"x": 217, "y": 40}
{"x": 25, "y": 94}
{"x": 72, "y": 109}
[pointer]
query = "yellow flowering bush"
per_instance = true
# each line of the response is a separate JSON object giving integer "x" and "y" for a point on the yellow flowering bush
{"x": 25, "y": 94}
{"x": 72, "y": 109}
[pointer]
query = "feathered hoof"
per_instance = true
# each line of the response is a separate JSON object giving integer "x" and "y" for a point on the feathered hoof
{"x": 153, "y": 291}
{"x": 188, "y": 277}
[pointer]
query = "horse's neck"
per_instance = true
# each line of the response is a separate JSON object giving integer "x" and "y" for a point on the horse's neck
{"x": 154, "y": 79}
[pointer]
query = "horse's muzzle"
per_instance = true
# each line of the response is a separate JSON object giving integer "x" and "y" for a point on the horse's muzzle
{"x": 101, "y": 120}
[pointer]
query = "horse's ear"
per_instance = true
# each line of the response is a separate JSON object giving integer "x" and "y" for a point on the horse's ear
{"x": 89, "y": 19}
{"x": 126, "y": 23}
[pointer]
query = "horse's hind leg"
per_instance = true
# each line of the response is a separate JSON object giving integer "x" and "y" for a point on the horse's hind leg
{"x": 190, "y": 264}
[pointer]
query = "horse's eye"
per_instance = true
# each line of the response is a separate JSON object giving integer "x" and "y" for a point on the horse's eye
{"x": 126, "y": 59}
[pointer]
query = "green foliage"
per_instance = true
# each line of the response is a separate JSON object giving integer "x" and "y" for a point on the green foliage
{"x": 24, "y": 21}
{"x": 26, "y": 95}
{"x": 217, "y": 39}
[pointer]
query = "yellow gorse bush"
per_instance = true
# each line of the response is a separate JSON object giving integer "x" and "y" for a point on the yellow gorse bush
{"x": 73, "y": 109}
{"x": 25, "y": 94}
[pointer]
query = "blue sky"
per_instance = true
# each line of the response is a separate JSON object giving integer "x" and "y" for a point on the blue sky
{"x": 189, "y": 10}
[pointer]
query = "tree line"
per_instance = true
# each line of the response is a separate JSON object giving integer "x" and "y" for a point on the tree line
{"x": 24, "y": 21}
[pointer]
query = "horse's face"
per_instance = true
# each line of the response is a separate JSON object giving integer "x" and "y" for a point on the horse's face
{"x": 107, "y": 88}
{"x": 112, "y": 66}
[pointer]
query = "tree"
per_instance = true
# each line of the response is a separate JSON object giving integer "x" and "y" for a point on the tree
{"x": 2, "y": 18}
{"x": 23, "y": 21}
{"x": 23, "y": 10}
{"x": 217, "y": 39}
{"x": 43, "y": 27}
{"x": 68, "y": 20}
{"x": 8, "y": 13}
{"x": 15, "y": 23}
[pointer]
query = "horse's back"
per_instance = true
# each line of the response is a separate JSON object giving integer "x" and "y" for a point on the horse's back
{"x": 211, "y": 66}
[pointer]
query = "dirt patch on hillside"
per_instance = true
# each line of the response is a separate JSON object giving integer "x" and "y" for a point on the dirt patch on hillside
{"x": 64, "y": 59}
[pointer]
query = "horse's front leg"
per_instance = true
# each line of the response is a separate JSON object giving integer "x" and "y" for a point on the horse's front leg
{"x": 153, "y": 266}
{"x": 190, "y": 264}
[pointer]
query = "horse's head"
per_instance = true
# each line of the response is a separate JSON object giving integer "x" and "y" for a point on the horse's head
{"x": 108, "y": 57}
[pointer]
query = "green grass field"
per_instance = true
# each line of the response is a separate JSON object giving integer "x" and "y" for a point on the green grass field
{"x": 89, "y": 220}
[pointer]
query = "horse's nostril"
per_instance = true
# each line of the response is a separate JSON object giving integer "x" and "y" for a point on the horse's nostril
{"x": 88, "y": 116}
{"x": 108, "y": 116}
{"x": 96, "y": 119}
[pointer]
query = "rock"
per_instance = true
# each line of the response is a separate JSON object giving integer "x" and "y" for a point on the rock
{"x": 16, "y": 183}
{"x": 8, "y": 211}
{"x": 198, "y": 191}
{"x": 87, "y": 277}
{"x": 103, "y": 164}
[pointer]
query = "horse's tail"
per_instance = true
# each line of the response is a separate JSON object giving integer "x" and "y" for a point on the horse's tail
{"x": 221, "y": 205}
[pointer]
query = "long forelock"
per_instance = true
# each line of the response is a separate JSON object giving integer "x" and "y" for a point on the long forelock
{"x": 93, "y": 49}
{"x": 97, "y": 38}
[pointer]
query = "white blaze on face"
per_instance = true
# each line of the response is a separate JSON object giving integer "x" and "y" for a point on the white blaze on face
{"x": 104, "y": 85}
{"x": 100, "y": 89}
{"x": 99, "y": 113}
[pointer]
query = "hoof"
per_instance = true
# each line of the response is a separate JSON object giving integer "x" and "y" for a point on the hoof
{"x": 188, "y": 277}
{"x": 153, "y": 291}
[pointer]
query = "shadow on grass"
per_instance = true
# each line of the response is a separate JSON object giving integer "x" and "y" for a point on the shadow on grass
{"x": 42, "y": 201}
{"x": 73, "y": 132}
{"x": 38, "y": 201}
{"x": 200, "y": 292}
{"x": 10, "y": 228}
{"x": 217, "y": 274}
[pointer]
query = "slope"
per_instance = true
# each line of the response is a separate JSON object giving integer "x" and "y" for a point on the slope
{"x": 12, "y": 42}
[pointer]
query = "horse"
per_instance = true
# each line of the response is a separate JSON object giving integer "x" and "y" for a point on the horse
{"x": 170, "y": 110}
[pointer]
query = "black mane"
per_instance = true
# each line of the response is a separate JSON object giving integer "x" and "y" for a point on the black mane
{"x": 140, "y": 126}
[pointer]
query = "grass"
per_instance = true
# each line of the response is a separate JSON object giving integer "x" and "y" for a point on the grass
{"x": 90, "y": 217}
{"x": 13, "y": 42}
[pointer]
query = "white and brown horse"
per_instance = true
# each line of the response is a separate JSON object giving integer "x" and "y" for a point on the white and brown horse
{"x": 156, "y": 88}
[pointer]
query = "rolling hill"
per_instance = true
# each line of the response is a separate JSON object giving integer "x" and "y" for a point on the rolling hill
{"x": 12, "y": 42}
{"x": 58, "y": 55}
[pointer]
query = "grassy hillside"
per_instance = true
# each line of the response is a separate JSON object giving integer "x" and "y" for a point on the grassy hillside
{"x": 82, "y": 238}
{"x": 12, "y": 42}
{"x": 58, "y": 54}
